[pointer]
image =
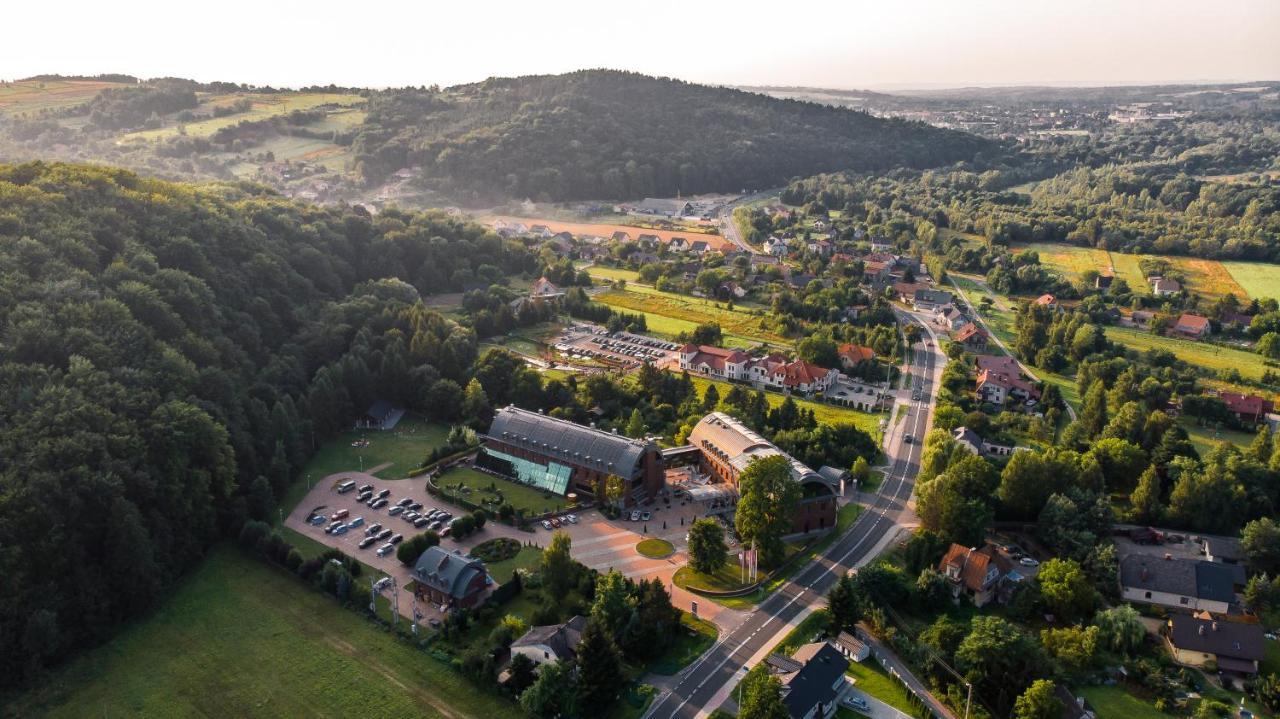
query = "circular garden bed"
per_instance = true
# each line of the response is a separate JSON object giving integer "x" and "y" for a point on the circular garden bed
{"x": 496, "y": 550}
{"x": 656, "y": 548}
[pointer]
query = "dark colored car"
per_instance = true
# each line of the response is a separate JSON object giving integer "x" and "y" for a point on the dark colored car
{"x": 385, "y": 533}
{"x": 383, "y": 493}
{"x": 367, "y": 541}
{"x": 397, "y": 539}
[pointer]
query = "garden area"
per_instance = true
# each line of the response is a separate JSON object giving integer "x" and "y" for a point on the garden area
{"x": 504, "y": 555}
{"x": 492, "y": 492}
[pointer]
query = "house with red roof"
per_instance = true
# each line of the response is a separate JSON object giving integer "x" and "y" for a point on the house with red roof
{"x": 1192, "y": 326}
{"x": 852, "y": 355}
{"x": 1047, "y": 300}
{"x": 996, "y": 387}
{"x": 770, "y": 372}
{"x": 973, "y": 337}
{"x": 1249, "y": 409}
{"x": 975, "y": 573}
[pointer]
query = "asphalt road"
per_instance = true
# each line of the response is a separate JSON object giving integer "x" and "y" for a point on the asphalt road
{"x": 728, "y": 229}
{"x": 723, "y": 664}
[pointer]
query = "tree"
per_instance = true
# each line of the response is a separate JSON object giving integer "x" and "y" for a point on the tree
{"x": 615, "y": 489}
{"x": 1144, "y": 502}
{"x": 710, "y": 398}
{"x": 635, "y": 425}
{"x": 521, "y": 673}
{"x": 932, "y": 591}
{"x": 845, "y": 603}
{"x": 600, "y": 675}
{"x": 1038, "y": 702}
{"x": 557, "y": 566}
{"x": 945, "y": 510}
{"x": 554, "y": 693}
{"x": 706, "y": 545}
{"x": 999, "y": 659}
{"x": 1120, "y": 629}
{"x": 475, "y": 404}
{"x": 1066, "y": 591}
{"x": 613, "y": 602}
{"x": 768, "y": 499}
{"x": 861, "y": 470}
{"x": 1121, "y": 462}
{"x": 1073, "y": 647}
{"x": 761, "y": 695}
{"x": 1267, "y": 690}
{"x": 1093, "y": 411}
{"x": 412, "y": 548}
{"x": 1260, "y": 541}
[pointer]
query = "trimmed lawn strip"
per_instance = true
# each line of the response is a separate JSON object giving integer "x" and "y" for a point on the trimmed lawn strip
{"x": 1115, "y": 701}
{"x": 528, "y": 558}
{"x": 241, "y": 638}
{"x": 697, "y": 638}
{"x": 520, "y": 496}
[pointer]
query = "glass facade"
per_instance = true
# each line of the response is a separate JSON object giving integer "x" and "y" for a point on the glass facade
{"x": 554, "y": 477}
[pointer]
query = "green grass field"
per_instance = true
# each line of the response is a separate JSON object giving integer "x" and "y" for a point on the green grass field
{"x": 1259, "y": 279}
{"x": 265, "y": 105}
{"x": 1114, "y": 701}
{"x": 1200, "y": 354}
{"x": 241, "y": 638}
{"x": 697, "y": 637}
{"x": 527, "y": 558}
{"x": 823, "y": 412}
{"x": 1206, "y": 439}
{"x": 520, "y": 496}
{"x": 612, "y": 274}
{"x": 739, "y": 324}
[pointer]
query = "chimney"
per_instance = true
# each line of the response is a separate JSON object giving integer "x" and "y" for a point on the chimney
{"x": 1215, "y": 626}
{"x": 1202, "y": 630}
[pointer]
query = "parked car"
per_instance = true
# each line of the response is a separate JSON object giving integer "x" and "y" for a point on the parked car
{"x": 385, "y": 533}
{"x": 635, "y": 516}
{"x": 355, "y": 522}
{"x": 395, "y": 510}
{"x": 318, "y": 520}
{"x": 435, "y": 525}
{"x": 386, "y": 549}
{"x": 405, "y": 502}
{"x": 367, "y": 541}
{"x": 364, "y": 495}
{"x": 421, "y": 522}
{"x": 341, "y": 529}
{"x": 1028, "y": 562}
{"x": 555, "y": 522}
{"x": 373, "y": 529}
{"x": 341, "y": 513}
{"x": 397, "y": 539}
{"x": 856, "y": 702}
{"x": 410, "y": 516}
{"x": 378, "y": 503}
{"x": 332, "y": 526}
{"x": 546, "y": 524}
{"x": 416, "y": 506}
{"x": 365, "y": 488}
{"x": 572, "y": 518}
{"x": 383, "y": 494}
{"x": 645, "y": 516}
{"x": 446, "y": 531}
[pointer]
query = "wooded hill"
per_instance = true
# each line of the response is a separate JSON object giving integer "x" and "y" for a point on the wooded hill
{"x": 608, "y": 134}
{"x": 169, "y": 358}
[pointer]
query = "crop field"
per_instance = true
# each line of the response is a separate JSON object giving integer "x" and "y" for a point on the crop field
{"x": 1200, "y": 354}
{"x": 241, "y": 638}
{"x": 264, "y": 106}
{"x": 690, "y": 312}
{"x": 1259, "y": 279}
{"x": 33, "y": 96}
{"x": 1207, "y": 277}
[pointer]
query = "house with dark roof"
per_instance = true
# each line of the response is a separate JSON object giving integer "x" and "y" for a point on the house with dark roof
{"x": 620, "y": 236}
{"x": 1233, "y": 646}
{"x": 551, "y": 643}
{"x": 678, "y": 244}
{"x": 699, "y": 247}
{"x": 559, "y": 456}
{"x": 1103, "y": 283}
{"x": 380, "y": 415}
{"x": 1190, "y": 584}
{"x": 1249, "y": 409}
{"x": 1164, "y": 287}
{"x": 663, "y": 208}
{"x": 851, "y": 646}
{"x": 1192, "y": 326}
{"x": 814, "y": 690}
{"x": 949, "y": 318}
{"x": 449, "y": 579}
{"x": 927, "y": 300}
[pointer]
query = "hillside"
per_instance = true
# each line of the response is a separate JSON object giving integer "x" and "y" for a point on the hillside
{"x": 170, "y": 356}
{"x": 606, "y": 134}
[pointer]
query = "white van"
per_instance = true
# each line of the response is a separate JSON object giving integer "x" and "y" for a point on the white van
{"x": 346, "y": 486}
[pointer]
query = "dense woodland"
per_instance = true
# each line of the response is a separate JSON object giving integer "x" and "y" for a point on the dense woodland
{"x": 606, "y": 134}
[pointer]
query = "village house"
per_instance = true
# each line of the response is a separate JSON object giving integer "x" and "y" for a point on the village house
{"x": 1047, "y": 300}
{"x": 678, "y": 244}
{"x": 906, "y": 291}
{"x": 770, "y": 372}
{"x": 380, "y": 415}
{"x": 699, "y": 247}
{"x": 996, "y": 387}
{"x": 540, "y": 231}
{"x": 551, "y": 643}
{"x": 852, "y": 355}
{"x": 927, "y": 300}
{"x": 544, "y": 289}
{"x": 1192, "y": 326}
{"x": 775, "y": 246}
{"x": 1248, "y": 409}
{"x": 812, "y": 690}
{"x": 1103, "y": 283}
{"x": 975, "y": 444}
{"x": 973, "y": 337}
{"x": 449, "y": 579}
{"x": 648, "y": 241}
{"x": 949, "y": 318}
{"x": 1233, "y": 647}
{"x": 1164, "y": 287}
{"x": 663, "y": 208}
{"x": 1190, "y": 584}
{"x": 975, "y": 573}
{"x": 620, "y": 236}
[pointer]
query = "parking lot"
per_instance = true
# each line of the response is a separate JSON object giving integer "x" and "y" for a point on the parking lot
{"x": 325, "y": 500}
{"x": 621, "y": 349}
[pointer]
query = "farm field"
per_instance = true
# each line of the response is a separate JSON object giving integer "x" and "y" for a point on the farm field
{"x": 241, "y": 638}
{"x": 1259, "y": 279}
{"x": 32, "y": 96}
{"x": 740, "y": 326}
{"x": 265, "y": 105}
{"x": 1207, "y": 277}
{"x": 716, "y": 242}
{"x": 823, "y": 412}
{"x": 1201, "y": 354}
{"x": 612, "y": 274}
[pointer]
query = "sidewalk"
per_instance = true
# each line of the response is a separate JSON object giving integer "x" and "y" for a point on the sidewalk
{"x": 897, "y": 668}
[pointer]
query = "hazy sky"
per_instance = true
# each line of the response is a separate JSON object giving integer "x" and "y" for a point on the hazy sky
{"x": 841, "y": 43}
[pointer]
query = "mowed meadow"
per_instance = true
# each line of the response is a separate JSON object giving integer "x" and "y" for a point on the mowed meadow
{"x": 34, "y": 96}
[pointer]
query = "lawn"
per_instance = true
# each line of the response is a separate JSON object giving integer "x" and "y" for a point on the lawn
{"x": 612, "y": 274}
{"x": 527, "y": 558}
{"x": 1206, "y": 439}
{"x": 478, "y": 490}
{"x": 697, "y": 637}
{"x": 1259, "y": 279}
{"x": 823, "y": 412}
{"x": 1271, "y": 661}
{"x": 739, "y": 325}
{"x": 655, "y": 548}
{"x": 1198, "y": 354}
{"x": 241, "y": 638}
{"x": 1114, "y": 701}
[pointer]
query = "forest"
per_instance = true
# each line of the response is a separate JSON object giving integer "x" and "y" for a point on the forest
{"x": 606, "y": 134}
{"x": 172, "y": 356}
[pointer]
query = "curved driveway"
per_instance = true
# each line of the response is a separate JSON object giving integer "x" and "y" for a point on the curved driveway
{"x": 705, "y": 684}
